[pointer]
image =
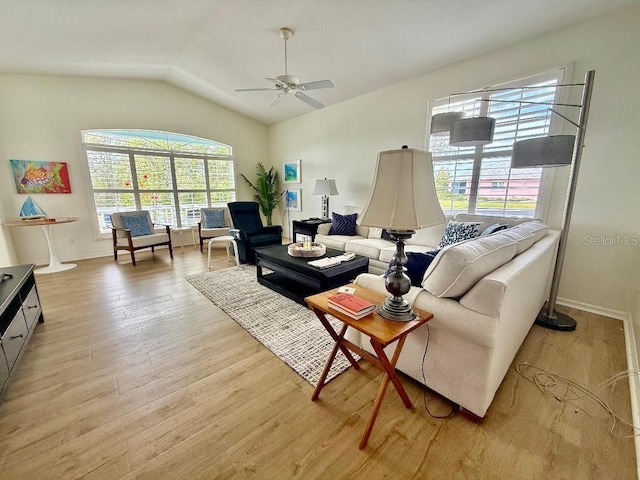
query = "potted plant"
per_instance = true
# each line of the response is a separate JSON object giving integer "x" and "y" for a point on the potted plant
{"x": 266, "y": 188}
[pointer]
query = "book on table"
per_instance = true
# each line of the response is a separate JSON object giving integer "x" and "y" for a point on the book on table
{"x": 351, "y": 305}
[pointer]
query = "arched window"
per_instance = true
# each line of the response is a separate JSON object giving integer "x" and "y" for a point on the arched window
{"x": 169, "y": 174}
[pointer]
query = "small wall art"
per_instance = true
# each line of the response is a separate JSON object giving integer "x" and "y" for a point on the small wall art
{"x": 293, "y": 200}
{"x": 292, "y": 172}
{"x": 40, "y": 177}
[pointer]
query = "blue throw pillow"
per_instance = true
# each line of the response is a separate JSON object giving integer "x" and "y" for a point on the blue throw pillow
{"x": 138, "y": 224}
{"x": 213, "y": 219}
{"x": 417, "y": 264}
{"x": 343, "y": 224}
{"x": 458, "y": 231}
{"x": 496, "y": 227}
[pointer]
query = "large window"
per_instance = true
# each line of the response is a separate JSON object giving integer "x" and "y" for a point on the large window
{"x": 169, "y": 174}
{"x": 479, "y": 179}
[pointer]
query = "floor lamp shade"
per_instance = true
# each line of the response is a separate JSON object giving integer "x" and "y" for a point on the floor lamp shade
{"x": 471, "y": 132}
{"x": 543, "y": 151}
{"x": 403, "y": 195}
{"x": 441, "y": 122}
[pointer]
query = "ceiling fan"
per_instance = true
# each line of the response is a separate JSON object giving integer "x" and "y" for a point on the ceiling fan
{"x": 288, "y": 84}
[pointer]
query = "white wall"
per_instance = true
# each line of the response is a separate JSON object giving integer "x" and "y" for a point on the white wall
{"x": 342, "y": 142}
{"x": 42, "y": 118}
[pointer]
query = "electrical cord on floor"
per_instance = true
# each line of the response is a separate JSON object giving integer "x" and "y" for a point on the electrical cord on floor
{"x": 424, "y": 381}
{"x": 565, "y": 390}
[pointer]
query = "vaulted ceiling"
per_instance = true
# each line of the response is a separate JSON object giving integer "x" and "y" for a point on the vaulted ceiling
{"x": 212, "y": 47}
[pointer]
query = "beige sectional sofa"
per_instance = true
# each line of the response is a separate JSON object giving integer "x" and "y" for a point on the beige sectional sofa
{"x": 485, "y": 294}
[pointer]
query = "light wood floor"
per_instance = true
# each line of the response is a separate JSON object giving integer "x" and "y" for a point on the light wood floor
{"x": 134, "y": 374}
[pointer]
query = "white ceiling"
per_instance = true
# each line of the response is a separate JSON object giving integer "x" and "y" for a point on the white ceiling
{"x": 211, "y": 47}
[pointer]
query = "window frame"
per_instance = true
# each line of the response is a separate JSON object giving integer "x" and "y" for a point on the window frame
{"x": 561, "y": 75}
{"x": 136, "y": 191}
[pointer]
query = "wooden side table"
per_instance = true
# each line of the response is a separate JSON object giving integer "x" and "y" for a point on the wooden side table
{"x": 381, "y": 332}
{"x": 307, "y": 227}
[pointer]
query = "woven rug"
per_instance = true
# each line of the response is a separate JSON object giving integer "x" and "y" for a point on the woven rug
{"x": 292, "y": 332}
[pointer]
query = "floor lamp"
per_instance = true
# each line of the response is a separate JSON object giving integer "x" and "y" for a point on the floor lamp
{"x": 546, "y": 152}
{"x": 556, "y": 151}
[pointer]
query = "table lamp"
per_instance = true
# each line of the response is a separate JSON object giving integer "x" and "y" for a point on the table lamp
{"x": 326, "y": 188}
{"x": 402, "y": 199}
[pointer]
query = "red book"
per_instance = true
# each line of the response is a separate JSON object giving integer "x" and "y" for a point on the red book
{"x": 350, "y": 303}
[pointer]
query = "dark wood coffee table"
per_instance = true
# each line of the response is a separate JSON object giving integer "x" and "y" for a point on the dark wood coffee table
{"x": 295, "y": 279}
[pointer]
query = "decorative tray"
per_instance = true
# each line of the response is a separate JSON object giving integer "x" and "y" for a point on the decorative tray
{"x": 313, "y": 250}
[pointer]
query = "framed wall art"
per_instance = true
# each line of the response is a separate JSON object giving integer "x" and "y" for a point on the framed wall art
{"x": 32, "y": 176}
{"x": 291, "y": 172}
{"x": 293, "y": 200}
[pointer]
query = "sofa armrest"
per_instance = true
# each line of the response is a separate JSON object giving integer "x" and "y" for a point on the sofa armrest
{"x": 238, "y": 234}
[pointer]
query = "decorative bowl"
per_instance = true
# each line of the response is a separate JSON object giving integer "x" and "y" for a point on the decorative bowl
{"x": 313, "y": 251}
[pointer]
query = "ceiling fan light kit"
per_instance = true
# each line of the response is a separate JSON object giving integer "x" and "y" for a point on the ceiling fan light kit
{"x": 290, "y": 85}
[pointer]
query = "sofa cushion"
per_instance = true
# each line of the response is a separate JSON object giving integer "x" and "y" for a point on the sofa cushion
{"x": 367, "y": 247}
{"x": 523, "y": 238}
{"x": 487, "y": 220}
{"x": 343, "y": 224}
{"x": 536, "y": 227}
{"x": 458, "y": 232}
{"x": 137, "y": 224}
{"x": 458, "y": 267}
{"x": 429, "y": 236}
{"x": 337, "y": 242}
{"x": 417, "y": 264}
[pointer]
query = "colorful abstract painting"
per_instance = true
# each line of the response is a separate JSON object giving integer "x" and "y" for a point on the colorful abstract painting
{"x": 40, "y": 177}
{"x": 292, "y": 200}
{"x": 291, "y": 171}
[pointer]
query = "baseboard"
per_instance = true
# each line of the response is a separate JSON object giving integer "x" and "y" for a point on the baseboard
{"x": 588, "y": 307}
{"x": 634, "y": 381}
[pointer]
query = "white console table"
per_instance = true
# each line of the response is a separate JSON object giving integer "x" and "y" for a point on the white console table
{"x": 54, "y": 264}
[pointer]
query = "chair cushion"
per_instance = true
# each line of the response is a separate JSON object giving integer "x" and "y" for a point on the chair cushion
{"x": 343, "y": 224}
{"x": 137, "y": 223}
{"x": 458, "y": 232}
{"x": 213, "y": 218}
{"x": 417, "y": 264}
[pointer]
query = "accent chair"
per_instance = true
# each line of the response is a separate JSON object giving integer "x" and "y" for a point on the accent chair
{"x": 133, "y": 231}
{"x": 248, "y": 231}
{"x": 214, "y": 222}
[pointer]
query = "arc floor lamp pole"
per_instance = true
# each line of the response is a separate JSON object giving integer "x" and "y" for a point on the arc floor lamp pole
{"x": 548, "y": 317}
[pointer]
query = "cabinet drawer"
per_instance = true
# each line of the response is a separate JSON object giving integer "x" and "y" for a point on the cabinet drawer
{"x": 31, "y": 307}
{"x": 13, "y": 338}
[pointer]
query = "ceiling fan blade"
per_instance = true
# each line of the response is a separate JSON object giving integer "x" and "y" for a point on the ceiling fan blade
{"x": 254, "y": 89}
{"x": 309, "y": 100}
{"x": 316, "y": 85}
{"x": 277, "y": 82}
{"x": 276, "y": 99}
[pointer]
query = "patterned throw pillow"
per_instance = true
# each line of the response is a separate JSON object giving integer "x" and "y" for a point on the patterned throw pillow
{"x": 138, "y": 224}
{"x": 458, "y": 231}
{"x": 343, "y": 224}
{"x": 213, "y": 219}
{"x": 496, "y": 227}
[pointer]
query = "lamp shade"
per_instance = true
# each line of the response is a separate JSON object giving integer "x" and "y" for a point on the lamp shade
{"x": 403, "y": 194}
{"x": 325, "y": 187}
{"x": 441, "y": 122}
{"x": 471, "y": 132}
{"x": 551, "y": 151}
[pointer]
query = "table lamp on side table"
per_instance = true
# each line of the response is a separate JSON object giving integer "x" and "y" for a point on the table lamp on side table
{"x": 402, "y": 199}
{"x": 326, "y": 188}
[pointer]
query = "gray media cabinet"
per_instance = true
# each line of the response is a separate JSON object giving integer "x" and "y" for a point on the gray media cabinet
{"x": 19, "y": 310}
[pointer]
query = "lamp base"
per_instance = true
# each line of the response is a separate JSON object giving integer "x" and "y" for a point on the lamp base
{"x": 397, "y": 309}
{"x": 559, "y": 321}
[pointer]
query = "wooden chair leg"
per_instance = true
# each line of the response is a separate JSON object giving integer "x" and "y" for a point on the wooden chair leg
{"x": 153, "y": 249}
{"x": 133, "y": 258}
{"x": 170, "y": 250}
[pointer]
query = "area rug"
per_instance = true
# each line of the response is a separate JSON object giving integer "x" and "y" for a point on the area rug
{"x": 289, "y": 330}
